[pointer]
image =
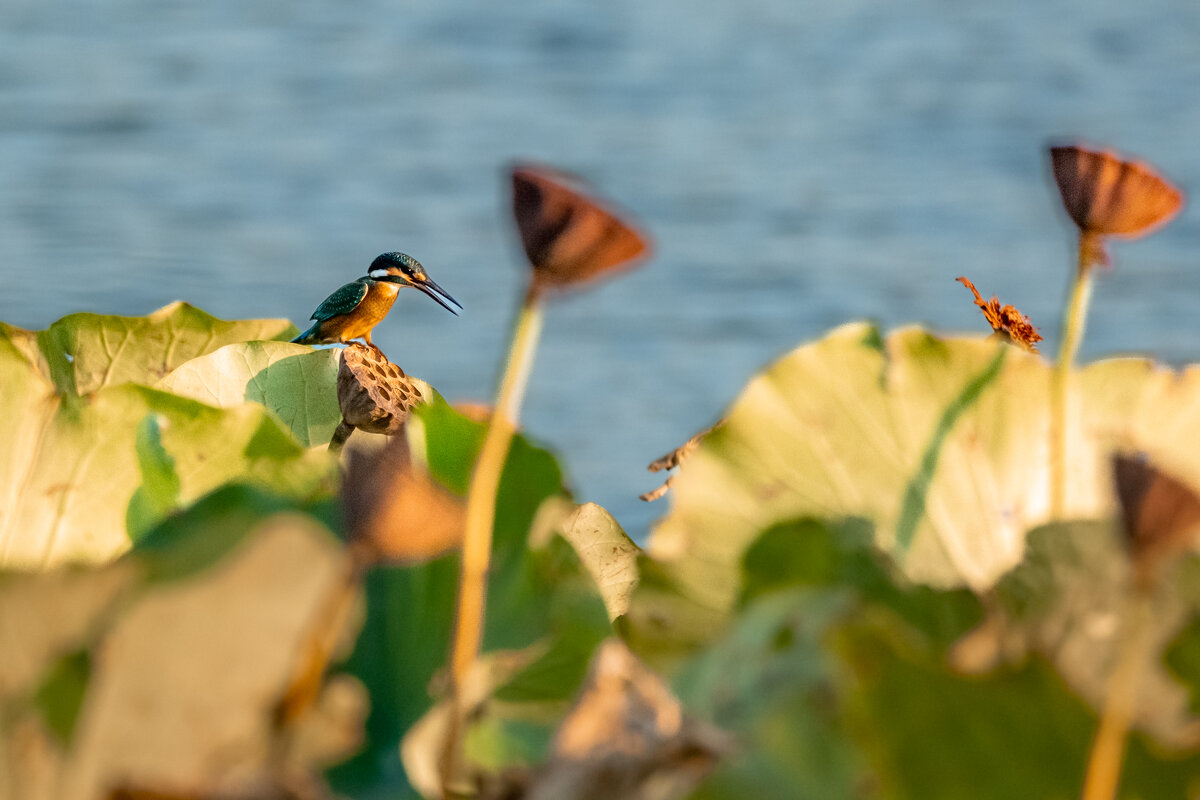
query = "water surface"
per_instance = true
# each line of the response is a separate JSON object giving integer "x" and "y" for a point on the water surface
{"x": 800, "y": 165}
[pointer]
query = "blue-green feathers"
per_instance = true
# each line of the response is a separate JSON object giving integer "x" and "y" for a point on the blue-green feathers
{"x": 342, "y": 301}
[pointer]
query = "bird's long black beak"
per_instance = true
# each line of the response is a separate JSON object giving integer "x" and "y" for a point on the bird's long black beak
{"x": 437, "y": 293}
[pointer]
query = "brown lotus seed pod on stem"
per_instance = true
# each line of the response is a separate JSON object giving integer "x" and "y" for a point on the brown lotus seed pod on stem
{"x": 569, "y": 236}
{"x": 1160, "y": 517}
{"x": 373, "y": 393}
{"x": 1107, "y": 196}
{"x": 1104, "y": 195}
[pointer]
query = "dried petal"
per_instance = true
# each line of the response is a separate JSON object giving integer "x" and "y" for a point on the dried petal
{"x": 569, "y": 236}
{"x": 674, "y": 459}
{"x": 1160, "y": 515}
{"x": 1006, "y": 320}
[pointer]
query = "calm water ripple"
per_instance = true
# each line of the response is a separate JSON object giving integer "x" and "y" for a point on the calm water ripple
{"x": 800, "y": 164}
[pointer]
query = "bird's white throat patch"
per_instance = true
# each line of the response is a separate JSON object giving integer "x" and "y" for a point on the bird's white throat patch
{"x": 377, "y": 273}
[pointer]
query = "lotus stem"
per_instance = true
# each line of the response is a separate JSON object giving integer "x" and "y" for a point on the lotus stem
{"x": 1074, "y": 322}
{"x": 340, "y": 434}
{"x": 1120, "y": 701}
{"x": 481, "y": 507}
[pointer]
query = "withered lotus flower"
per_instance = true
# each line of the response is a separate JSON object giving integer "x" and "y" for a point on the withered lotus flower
{"x": 1160, "y": 515}
{"x": 569, "y": 236}
{"x": 1006, "y": 321}
{"x": 1106, "y": 195}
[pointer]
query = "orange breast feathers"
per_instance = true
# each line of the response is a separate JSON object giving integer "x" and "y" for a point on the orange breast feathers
{"x": 367, "y": 314}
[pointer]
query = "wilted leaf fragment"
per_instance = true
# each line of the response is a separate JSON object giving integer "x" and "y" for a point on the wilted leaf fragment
{"x": 422, "y": 748}
{"x": 176, "y": 694}
{"x": 569, "y": 235}
{"x": 395, "y": 511}
{"x": 1161, "y": 515}
{"x": 627, "y": 736}
{"x": 672, "y": 460}
{"x": 1006, "y": 321}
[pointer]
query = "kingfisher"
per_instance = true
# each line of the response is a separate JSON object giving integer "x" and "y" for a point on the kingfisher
{"x": 353, "y": 310}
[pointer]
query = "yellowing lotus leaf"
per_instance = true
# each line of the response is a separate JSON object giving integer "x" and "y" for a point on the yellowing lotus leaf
{"x": 941, "y": 444}
{"x": 82, "y": 353}
{"x": 297, "y": 382}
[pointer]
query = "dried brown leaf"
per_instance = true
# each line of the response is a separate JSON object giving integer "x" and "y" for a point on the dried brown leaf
{"x": 627, "y": 736}
{"x": 183, "y": 675}
{"x": 422, "y": 750}
{"x": 1007, "y": 321}
{"x": 674, "y": 459}
{"x": 395, "y": 511}
{"x": 1160, "y": 515}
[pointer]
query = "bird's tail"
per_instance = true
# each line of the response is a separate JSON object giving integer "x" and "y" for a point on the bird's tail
{"x": 308, "y": 337}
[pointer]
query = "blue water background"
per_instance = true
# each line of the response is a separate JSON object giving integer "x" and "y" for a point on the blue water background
{"x": 800, "y": 164}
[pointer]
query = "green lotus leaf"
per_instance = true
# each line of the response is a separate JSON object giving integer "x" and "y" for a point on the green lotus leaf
{"x": 768, "y": 681}
{"x": 82, "y": 353}
{"x": 605, "y": 551}
{"x": 837, "y": 672}
{"x": 296, "y": 382}
{"x": 1065, "y": 602}
{"x": 93, "y": 458}
{"x": 158, "y": 495}
{"x": 72, "y": 467}
{"x": 861, "y": 576}
{"x": 1182, "y": 658}
{"x": 941, "y": 445}
{"x": 542, "y": 600}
